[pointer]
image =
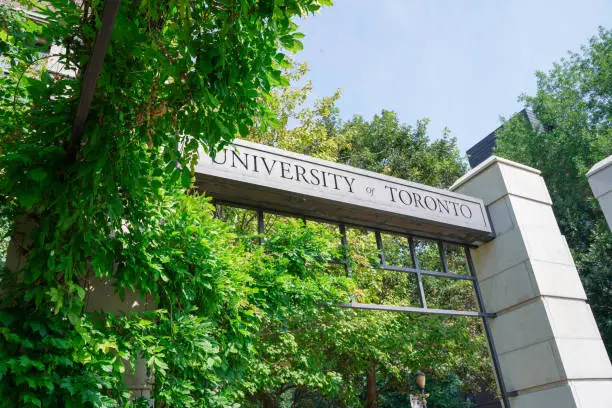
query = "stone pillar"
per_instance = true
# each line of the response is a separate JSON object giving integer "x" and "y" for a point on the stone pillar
{"x": 102, "y": 297}
{"x": 549, "y": 348}
{"x": 19, "y": 245}
{"x": 600, "y": 179}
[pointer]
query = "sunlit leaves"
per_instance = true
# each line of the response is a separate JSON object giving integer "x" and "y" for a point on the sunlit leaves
{"x": 178, "y": 76}
{"x": 396, "y": 342}
{"x": 572, "y": 105}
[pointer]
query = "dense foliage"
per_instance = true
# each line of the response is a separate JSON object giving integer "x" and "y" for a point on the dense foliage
{"x": 221, "y": 317}
{"x": 390, "y": 346}
{"x": 572, "y": 103}
{"x": 386, "y": 146}
{"x": 109, "y": 205}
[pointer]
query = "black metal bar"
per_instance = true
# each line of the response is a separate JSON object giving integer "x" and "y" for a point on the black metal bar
{"x": 261, "y": 229}
{"x": 426, "y": 272}
{"x": 260, "y": 221}
{"x": 218, "y": 212}
{"x": 421, "y": 291}
{"x": 442, "y": 249}
{"x": 413, "y": 255}
{"x": 485, "y": 322}
{"x": 344, "y": 241}
{"x": 408, "y": 309}
{"x": 90, "y": 77}
{"x": 381, "y": 251}
{"x": 334, "y": 222}
{"x": 415, "y": 263}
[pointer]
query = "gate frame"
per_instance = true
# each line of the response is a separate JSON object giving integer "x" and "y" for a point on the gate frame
{"x": 342, "y": 226}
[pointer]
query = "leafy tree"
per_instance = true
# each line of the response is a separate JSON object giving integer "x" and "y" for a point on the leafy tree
{"x": 443, "y": 395}
{"x": 381, "y": 346}
{"x": 282, "y": 362}
{"x": 573, "y": 104}
{"x": 313, "y": 130}
{"x": 386, "y": 146}
{"x": 110, "y": 203}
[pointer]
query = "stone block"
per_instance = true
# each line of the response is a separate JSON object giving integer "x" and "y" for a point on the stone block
{"x": 504, "y": 252}
{"x": 530, "y": 366}
{"x": 508, "y": 288}
{"x": 545, "y": 334}
{"x": 600, "y": 177}
{"x": 484, "y": 182}
{"x": 501, "y": 216}
{"x": 521, "y": 327}
{"x": 533, "y": 213}
{"x": 554, "y": 279}
{"x": 571, "y": 318}
{"x": 605, "y": 202}
{"x": 101, "y": 296}
{"x": 252, "y": 174}
{"x": 592, "y": 393}
{"x": 584, "y": 358}
{"x": 545, "y": 245}
{"x": 559, "y": 396}
{"x": 526, "y": 184}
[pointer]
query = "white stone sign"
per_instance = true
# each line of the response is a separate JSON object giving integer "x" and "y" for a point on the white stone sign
{"x": 266, "y": 167}
{"x": 600, "y": 179}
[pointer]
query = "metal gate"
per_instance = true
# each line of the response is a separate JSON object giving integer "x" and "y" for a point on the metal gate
{"x": 414, "y": 243}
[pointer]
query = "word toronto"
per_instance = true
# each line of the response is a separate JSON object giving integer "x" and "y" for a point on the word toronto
{"x": 400, "y": 195}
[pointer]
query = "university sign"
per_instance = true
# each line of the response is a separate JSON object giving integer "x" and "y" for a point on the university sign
{"x": 545, "y": 346}
{"x": 258, "y": 175}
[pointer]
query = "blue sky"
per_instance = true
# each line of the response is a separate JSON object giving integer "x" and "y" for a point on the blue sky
{"x": 461, "y": 63}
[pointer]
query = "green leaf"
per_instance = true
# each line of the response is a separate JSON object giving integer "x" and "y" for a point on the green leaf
{"x": 186, "y": 178}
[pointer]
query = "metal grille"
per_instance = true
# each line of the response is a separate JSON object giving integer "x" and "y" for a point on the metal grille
{"x": 386, "y": 264}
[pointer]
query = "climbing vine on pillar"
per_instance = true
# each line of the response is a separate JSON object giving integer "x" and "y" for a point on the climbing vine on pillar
{"x": 179, "y": 76}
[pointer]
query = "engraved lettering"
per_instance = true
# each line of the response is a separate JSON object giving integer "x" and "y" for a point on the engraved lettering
{"x": 417, "y": 200}
{"x": 335, "y": 176}
{"x": 405, "y": 198}
{"x": 224, "y": 157}
{"x": 285, "y": 168}
{"x": 455, "y": 207}
{"x": 443, "y": 205}
{"x": 299, "y": 172}
{"x": 244, "y": 163}
{"x": 255, "y": 164}
{"x": 350, "y": 183}
{"x": 269, "y": 169}
{"x": 467, "y": 210}
{"x": 412, "y": 200}
{"x": 391, "y": 189}
{"x": 313, "y": 173}
{"x": 431, "y": 203}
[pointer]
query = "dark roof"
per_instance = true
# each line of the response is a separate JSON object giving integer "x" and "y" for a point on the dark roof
{"x": 484, "y": 149}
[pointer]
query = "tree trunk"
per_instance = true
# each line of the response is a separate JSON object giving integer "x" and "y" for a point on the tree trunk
{"x": 371, "y": 395}
{"x": 268, "y": 401}
{"x": 16, "y": 254}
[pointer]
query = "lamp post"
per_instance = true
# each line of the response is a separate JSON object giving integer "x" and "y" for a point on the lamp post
{"x": 420, "y": 380}
{"x": 419, "y": 401}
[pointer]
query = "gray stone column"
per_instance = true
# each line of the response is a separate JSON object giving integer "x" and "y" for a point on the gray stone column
{"x": 600, "y": 179}
{"x": 549, "y": 348}
{"x": 100, "y": 296}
